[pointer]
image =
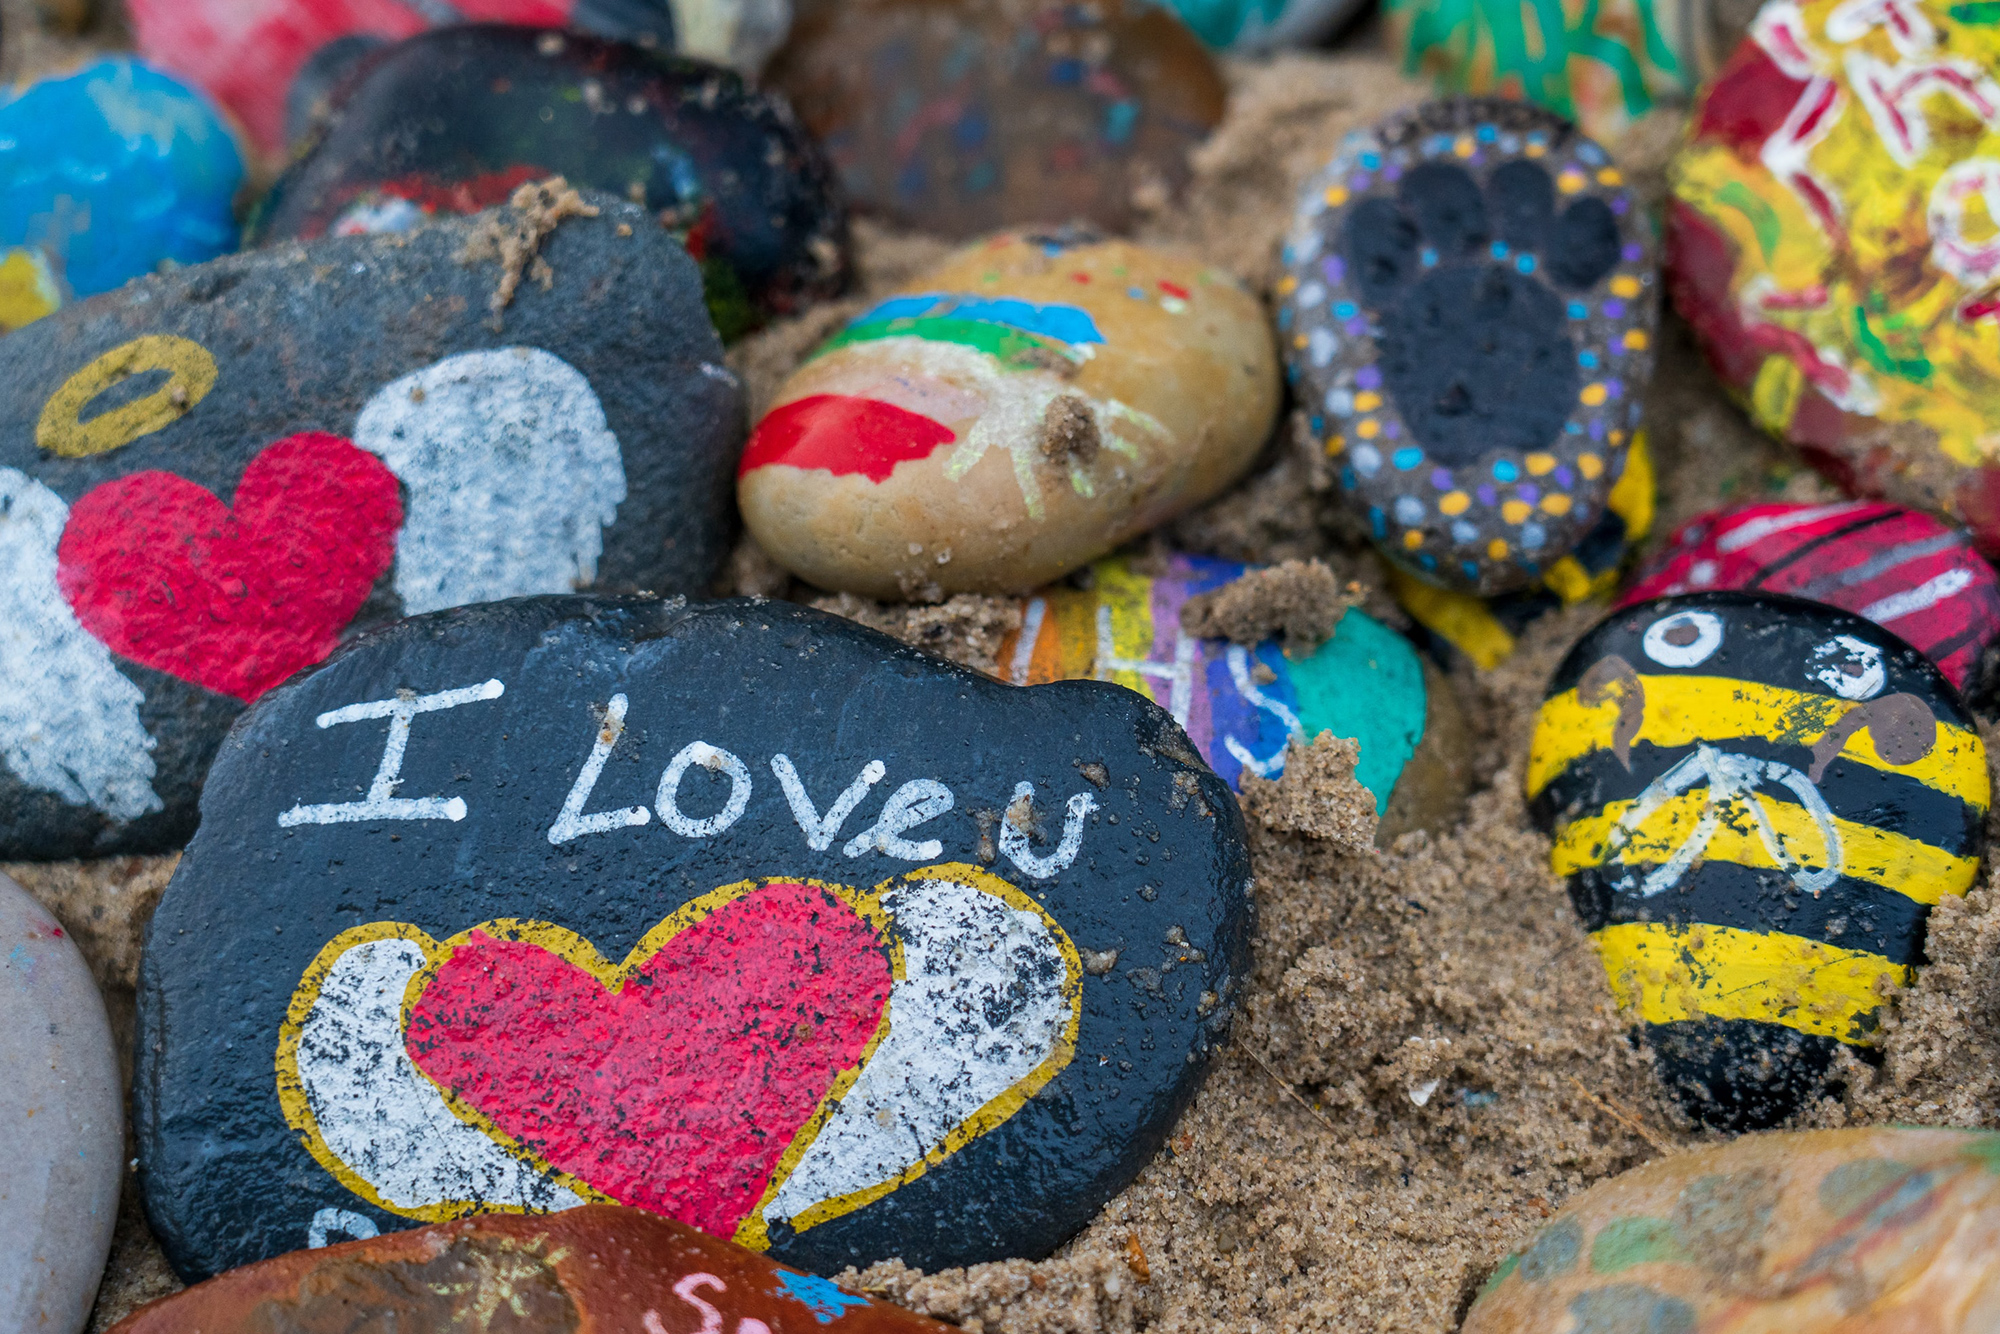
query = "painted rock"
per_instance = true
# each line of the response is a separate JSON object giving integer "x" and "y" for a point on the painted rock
{"x": 962, "y": 116}
{"x": 1905, "y": 571}
{"x": 262, "y": 476}
{"x": 1870, "y": 1231}
{"x": 1483, "y": 631}
{"x": 62, "y": 1135}
{"x": 598, "y": 1269}
{"x": 1469, "y": 307}
{"x": 1251, "y": 27}
{"x": 105, "y": 175}
{"x": 1012, "y": 415}
{"x": 1829, "y": 240}
{"x": 455, "y": 120}
{"x": 1755, "y": 800}
{"x": 736, "y": 912}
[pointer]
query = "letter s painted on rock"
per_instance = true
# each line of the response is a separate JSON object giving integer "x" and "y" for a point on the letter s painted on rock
{"x": 711, "y": 1319}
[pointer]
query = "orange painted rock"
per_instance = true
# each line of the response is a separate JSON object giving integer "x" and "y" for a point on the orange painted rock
{"x": 1012, "y": 415}
{"x": 594, "y": 1270}
{"x": 1874, "y": 1231}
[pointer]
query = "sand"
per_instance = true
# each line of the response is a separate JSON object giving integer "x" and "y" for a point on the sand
{"x": 1427, "y": 1061}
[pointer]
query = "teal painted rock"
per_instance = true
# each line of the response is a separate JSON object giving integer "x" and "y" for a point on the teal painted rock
{"x": 1249, "y": 27}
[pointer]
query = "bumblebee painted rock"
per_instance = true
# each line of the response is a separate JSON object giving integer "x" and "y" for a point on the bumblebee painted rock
{"x": 1755, "y": 801}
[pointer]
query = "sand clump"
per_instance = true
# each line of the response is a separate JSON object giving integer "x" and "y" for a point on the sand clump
{"x": 1302, "y": 600}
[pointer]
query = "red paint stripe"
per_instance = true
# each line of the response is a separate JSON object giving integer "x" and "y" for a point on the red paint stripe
{"x": 844, "y": 435}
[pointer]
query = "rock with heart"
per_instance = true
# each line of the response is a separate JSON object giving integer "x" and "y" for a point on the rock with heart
{"x": 209, "y": 477}
{"x": 597, "y": 1269}
{"x": 1468, "y": 307}
{"x": 1830, "y": 238}
{"x": 1904, "y": 570}
{"x": 736, "y": 912}
{"x": 106, "y": 174}
{"x": 1866, "y": 1231}
{"x": 61, "y": 1122}
{"x": 1755, "y": 800}
{"x": 454, "y": 121}
{"x": 959, "y": 117}
{"x": 1011, "y": 415}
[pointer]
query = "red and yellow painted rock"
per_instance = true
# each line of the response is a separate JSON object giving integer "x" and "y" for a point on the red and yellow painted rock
{"x": 595, "y": 1270}
{"x": 1012, "y": 415}
{"x": 1872, "y": 1231}
{"x": 1833, "y": 240}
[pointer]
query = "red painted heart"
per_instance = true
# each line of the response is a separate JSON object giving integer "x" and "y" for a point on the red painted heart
{"x": 235, "y": 600}
{"x": 677, "y": 1081}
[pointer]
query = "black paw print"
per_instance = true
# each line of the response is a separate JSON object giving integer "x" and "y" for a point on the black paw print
{"x": 1473, "y": 346}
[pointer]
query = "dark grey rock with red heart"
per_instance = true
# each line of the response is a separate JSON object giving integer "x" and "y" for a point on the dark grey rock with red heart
{"x": 736, "y": 912}
{"x": 208, "y": 478}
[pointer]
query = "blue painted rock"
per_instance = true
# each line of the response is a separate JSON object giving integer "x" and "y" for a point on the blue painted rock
{"x": 1468, "y": 312}
{"x": 1755, "y": 800}
{"x": 1251, "y": 27}
{"x": 736, "y": 912}
{"x": 105, "y": 175}
{"x": 454, "y": 121}
{"x": 209, "y": 485}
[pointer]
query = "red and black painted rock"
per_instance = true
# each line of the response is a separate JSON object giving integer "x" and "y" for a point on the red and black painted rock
{"x": 736, "y": 912}
{"x": 594, "y": 1270}
{"x": 212, "y": 476}
{"x": 453, "y": 121}
{"x": 1915, "y": 576}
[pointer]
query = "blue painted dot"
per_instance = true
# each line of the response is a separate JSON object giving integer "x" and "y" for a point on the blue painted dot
{"x": 1578, "y": 311}
{"x": 1590, "y": 153}
{"x": 1409, "y": 511}
{"x": 1347, "y": 478}
{"x": 1504, "y": 471}
{"x": 1407, "y": 458}
{"x": 1471, "y": 570}
{"x": 1284, "y": 318}
{"x": 1574, "y": 428}
{"x": 1377, "y": 522}
{"x": 1345, "y": 310}
{"x": 1533, "y": 535}
{"x": 1464, "y": 533}
{"x": 1318, "y": 425}
{"x": 1428, "y": 257}
{"x": 1499, "y": 250}
{"x": 1526, "y": 264}
{"x": 1136, "y": 293}
{"x": 1487, "y": 134}
{"x": 1587, "y": 360}
{"x": 1372, "y": 161}
{"x": 1428, "y": 561}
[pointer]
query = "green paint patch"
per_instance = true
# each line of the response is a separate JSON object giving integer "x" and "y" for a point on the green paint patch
{"x": 1980, "y": 14}
{"x": 1625, "y": 1242}
{"x": 1010, "y": 347}
{"x": 1855, "y": 1185}
{"x": 1499, "y": 1276}
{"x": 1915, "y": 368}
{"x": 1366, "y": 683}
{"x": 1763, "y": 219}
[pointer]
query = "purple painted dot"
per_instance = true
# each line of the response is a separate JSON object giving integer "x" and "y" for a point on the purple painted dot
{"x": 1392, "y": 172}
{"x": 1476, "y": 158}
{"x": 1393, "y": 429}
{"x": 1597, "y": 428}
{"x": 1355, "y": 327}
{"x": 1369, "y": 377}
{"x": 1486, "y": 496}
{"x": 1613, "y": 388}
{"x": 1528, "y": 492}
{"x": 1359, "y": 181}
{"x": 1334, "y": 267}
{"x": 1441, "y": 478}
{"x": 1633, "y": 250}
{"x": 1619, "y": 205}
{"x": 1564, "y": 478}
{"x": 1614, "y": 309}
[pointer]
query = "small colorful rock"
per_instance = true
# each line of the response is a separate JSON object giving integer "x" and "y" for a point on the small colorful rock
{"x": 1870, "y": 1231}
{"x": 963, "y": 116}
{"x": 1016, "y": 413}
{"x": 1468, "y": 313}
{"x": 1830, "y": 240}
{"x": 736, "y": 912}
{"x": 205, "y": 491}
{"x": 1252, "y": 27}
{"x": 62, "y": 1135}
{"x": 1903, "y": 570}
{"x": 597, "y": 1269}
{"x": 1755, "y": 800}
{"x": 105, "y": 175}
{"x": 455, "y": 120}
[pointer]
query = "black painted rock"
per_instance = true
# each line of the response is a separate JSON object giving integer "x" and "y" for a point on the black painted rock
{"x": 454, "y": 120}
{"x": 207, "y": 478}
{"x": 736, "y": 912}
{"x": 1756, "y": 800}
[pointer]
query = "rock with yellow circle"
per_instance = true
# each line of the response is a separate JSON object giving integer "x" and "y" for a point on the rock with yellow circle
{"x": 1834, "y": 238}
{"x": 1013, "y": 414}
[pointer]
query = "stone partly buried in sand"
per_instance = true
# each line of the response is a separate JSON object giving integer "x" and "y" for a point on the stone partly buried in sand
{"x": 1244, "y": 705}
{"x": 1755, "y": 800}
{"x": 61, "y": 1122}
{"x": 594, "y": 1270}
{"x": 1830, "y": 239}
{"x": 1013, "y": 414}
{"x": 1869, "y": 1231}
{"x": 1468, "y": 313}
{"x": 210, "y": 476}
{"x": 960, "y": 117}
{"x": 453, "y": 121}
{"x": 737, "y": 912}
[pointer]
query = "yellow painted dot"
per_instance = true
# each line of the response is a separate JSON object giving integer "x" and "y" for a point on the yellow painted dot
{"x": 1589, "y": 465}
{"x": 1454, "y": 504}
{"x": 1617, "y": 437}
{"x": 1540, "y": 464}
{"x": 1368, "y": 430}
{"x": 1556, "y": 503}
{"x": 1287, "y": 285}
{"x": 1367, "y": 401}
{"x": 1610, "y": 176}
{"x": 1515, "y": 511}
{"x": 1593, "y": 394}
{"x": 1335, "y": 445}
{"x": 1571, "y": 181}
{"x": 1535, "y": 150}
{"x": 1412, "y": 539}
{"x": 1496, "y": 549}
{"x": 1335, "y": 195}
{"x": 1624, "y": 285}
{"x": 1299, "y": 340}
{"x": 1464, "y": 146}
{"x": 1635, "y": 339}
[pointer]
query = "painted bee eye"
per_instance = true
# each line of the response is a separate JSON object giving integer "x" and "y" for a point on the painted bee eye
{"x": 1684, "y": 639}
{"x": 1851, "y": 668}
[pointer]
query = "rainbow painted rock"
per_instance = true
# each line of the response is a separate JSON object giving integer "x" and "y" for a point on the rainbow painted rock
{"x": 1903, "y": 570}
{"x": 453, "y": 121}
{"x": 1830, "y": 240}
{"x": 959, "y": 117}
{"x": 1014, "y": 414}
{"x": 1249, "y": 27}
{"x": 1755, "y": 800}
{"x": 1872, "y": 1231}
{"x": 598, "y": 1269}
{"x": 1468, "y": 310}
{"x": 105, "y": 175}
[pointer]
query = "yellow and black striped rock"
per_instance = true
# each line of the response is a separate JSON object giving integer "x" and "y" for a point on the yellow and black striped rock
{"x": 1755, "y": 801}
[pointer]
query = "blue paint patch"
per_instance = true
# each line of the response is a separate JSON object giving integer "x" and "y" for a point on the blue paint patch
{"x": 1120, "y": 120}
{"x": 826, "y": 1301}
{"x": 1069, "y": 324}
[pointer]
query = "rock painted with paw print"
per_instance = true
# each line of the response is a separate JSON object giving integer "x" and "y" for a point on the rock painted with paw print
{"x": 1468, "y": 315}
{"x": 210, "y": 477}
{"x": 734, "y": 912}
{"x": 1015, "y": 413}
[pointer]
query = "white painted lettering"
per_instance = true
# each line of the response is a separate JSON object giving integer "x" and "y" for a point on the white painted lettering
{"x": 821, "y": 831}
{"x": 715, "y": 760}
{"x": 1020, "y": 818}
{"x": 711, "y": 1319}
{"x": 907, "y": 807}
{"x": 380, "y": 803}
{"x": 356, "y": 1227}
{"x": 571, "y": 822}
